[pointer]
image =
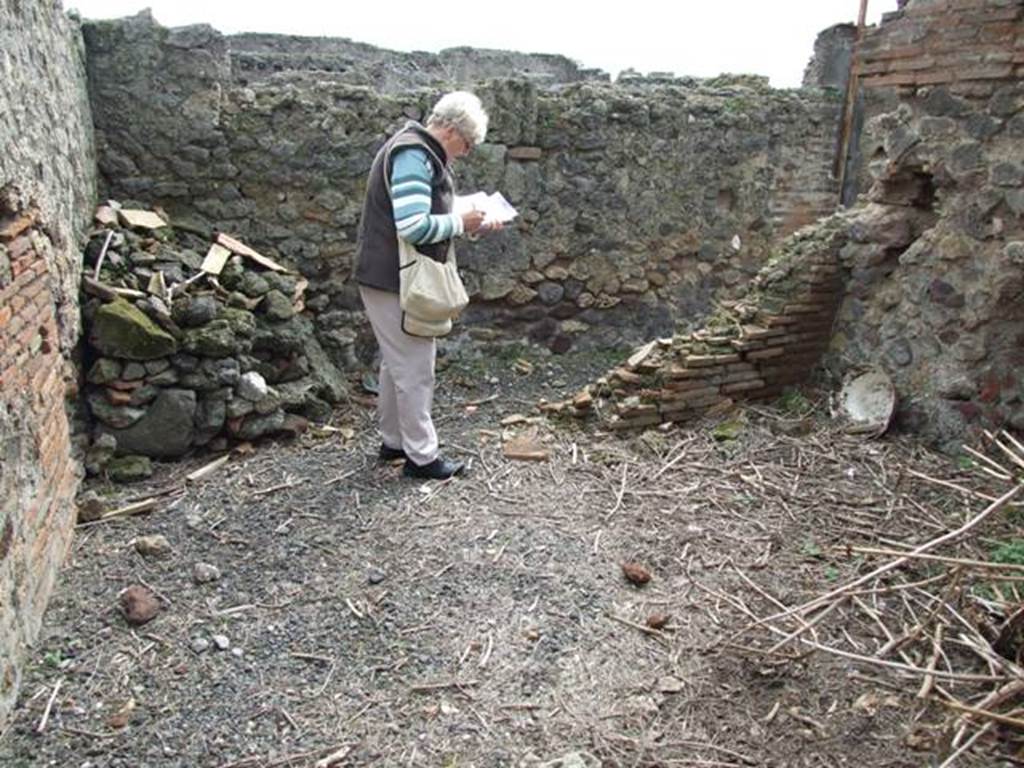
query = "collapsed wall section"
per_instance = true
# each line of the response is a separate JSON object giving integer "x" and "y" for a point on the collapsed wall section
{"x": 936, "y": 293}
{"x": 641, "y": 202}
{"x": 47, "y": 189}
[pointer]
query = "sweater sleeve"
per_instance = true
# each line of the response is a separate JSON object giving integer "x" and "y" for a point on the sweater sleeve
{"x": 411, "y": 175}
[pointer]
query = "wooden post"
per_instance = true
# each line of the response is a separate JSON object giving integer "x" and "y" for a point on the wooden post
{"x": 851, "y": 98}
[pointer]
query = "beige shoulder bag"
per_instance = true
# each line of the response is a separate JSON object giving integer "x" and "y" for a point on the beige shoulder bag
{"x": 430, "y": 292}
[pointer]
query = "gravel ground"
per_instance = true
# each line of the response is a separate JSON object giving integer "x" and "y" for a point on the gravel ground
{"x": 370, "y": 620}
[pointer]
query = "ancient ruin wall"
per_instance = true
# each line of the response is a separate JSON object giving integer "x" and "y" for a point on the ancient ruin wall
{"x": 47, "y": 189}
{"x": 640, "y": 201}
{"x": 934, "y": 264}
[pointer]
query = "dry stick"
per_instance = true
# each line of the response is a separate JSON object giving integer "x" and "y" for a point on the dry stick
{"x": 275, "y": 488}
{"x": 669, "y": 465}
{"x": 763, "y": 593}
{"x": 1001, "y": 695}
{"x": 487, "y": 653}
{"x": 815, "y": 620}
{"x": 622, "y": 489}
{"x": 965, "y": 746}
{"x": 138, "y": 508}
{"x": 905, "y": 667}
{"x": 901, "y": 587}
{"x": 704, "y": 745}
{"x": 902, "y": 560}
{"x": 985, "y": 564}
{"x": 53, "y": 696}
{"x": 1018, "y": 446}
{"x": 426, "y": 687}
{"x": 659, "y": 636}
{"x": 912, "y": 634}
{"x": 311, "y": 657}
{"x": 339, "y": 478}
{"x": 952, "y": 486}
{"x": 1016, "y": 722}
{"x": 103, "y": 255}
{"x": 206, "y": 469}
{"x": 1018, "y": 460}
{"x": 998, "y": 470}
{"x": 335, "y": 757}
{"x": 929, "y": 679}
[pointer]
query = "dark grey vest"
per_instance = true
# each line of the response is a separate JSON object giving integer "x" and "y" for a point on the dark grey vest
{"x": 377, "y": 243}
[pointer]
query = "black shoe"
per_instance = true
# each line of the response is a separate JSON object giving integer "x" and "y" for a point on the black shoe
{"x": 390, "y": 454}
{"x": 439, "y": 469}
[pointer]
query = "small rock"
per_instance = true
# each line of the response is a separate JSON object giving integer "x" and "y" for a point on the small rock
{"x": 128, "y": 469}
{"x": 133, "y": 371}
{"x": 657, "y": 620}
{"x": 237, "y": 652}
{"x": 375, "y": 576}
{"x": 139, "y": 605}
{"x": 200, "y": 645}
{"x": 670, "y": 684}
{"x": 294, "y": 425}
{"x": 252, "y": 387}
{"x": 636, "y": 574}
{"x": 153, "y": 546}
{"x": 222, "y": 642}
{"x": 100, "y": 454}
{"x": 90, "y": 507}
{"x": 571, "y": 760}
{"x": 204, "y": 573}
{"x": 277, "y": 306}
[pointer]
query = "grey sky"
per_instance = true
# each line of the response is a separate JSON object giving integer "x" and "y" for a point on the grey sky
{"x": 686, "y": 37}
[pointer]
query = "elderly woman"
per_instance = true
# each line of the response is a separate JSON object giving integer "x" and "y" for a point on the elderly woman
{"x": 409, "y": 195}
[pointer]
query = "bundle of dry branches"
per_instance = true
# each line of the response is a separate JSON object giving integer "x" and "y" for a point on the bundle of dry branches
{"x": 947, "y": 613}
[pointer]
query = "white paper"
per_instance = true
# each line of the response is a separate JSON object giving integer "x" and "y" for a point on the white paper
{"x": 494, "y": 206}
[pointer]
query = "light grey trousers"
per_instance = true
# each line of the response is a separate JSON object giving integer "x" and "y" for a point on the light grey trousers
{"x": 406, "y": 379}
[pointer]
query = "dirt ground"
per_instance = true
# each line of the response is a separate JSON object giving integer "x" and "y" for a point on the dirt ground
{"x": 370, "y": 620}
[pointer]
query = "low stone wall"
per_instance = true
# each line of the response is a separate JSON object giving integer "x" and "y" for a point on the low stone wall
{"x": 191, "y": 344}
{"x": 641, "y": 201}
{"x": 39, "y": 477}
{"x": 262, "y": 57}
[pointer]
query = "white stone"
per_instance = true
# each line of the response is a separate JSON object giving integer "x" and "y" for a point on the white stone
{"x": 252, "y": 387}
{"x": 203, "y": 573}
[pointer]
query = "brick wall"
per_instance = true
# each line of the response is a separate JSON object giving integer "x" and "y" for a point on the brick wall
{"x": 968, "y": 45}
{"x": 38, "y": 478}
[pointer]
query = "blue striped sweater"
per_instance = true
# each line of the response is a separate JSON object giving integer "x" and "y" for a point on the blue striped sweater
{"x": 411, "y": 175}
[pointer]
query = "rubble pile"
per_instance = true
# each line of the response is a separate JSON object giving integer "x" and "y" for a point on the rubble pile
{"x": 194, "y": 340}
{"x": 749, "y": 349}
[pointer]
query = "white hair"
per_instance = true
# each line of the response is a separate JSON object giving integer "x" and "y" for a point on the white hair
{"x": 462, "y": 111}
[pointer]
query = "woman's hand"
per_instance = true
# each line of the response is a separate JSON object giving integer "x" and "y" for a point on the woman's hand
{"x": 472, "y": 222}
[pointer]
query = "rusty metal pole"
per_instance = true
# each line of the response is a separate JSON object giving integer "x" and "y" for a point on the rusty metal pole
{"x": 851, "y": 98}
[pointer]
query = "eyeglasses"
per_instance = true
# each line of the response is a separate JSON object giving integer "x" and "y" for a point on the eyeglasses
{"x": 467, "y": 145}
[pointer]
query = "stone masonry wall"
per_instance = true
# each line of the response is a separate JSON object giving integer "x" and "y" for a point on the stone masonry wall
{"x": 921, "y": 278}
{"x": 47, "y": 190}
{"x": 641, "y": 202}
{"x": 935, "y": 291}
